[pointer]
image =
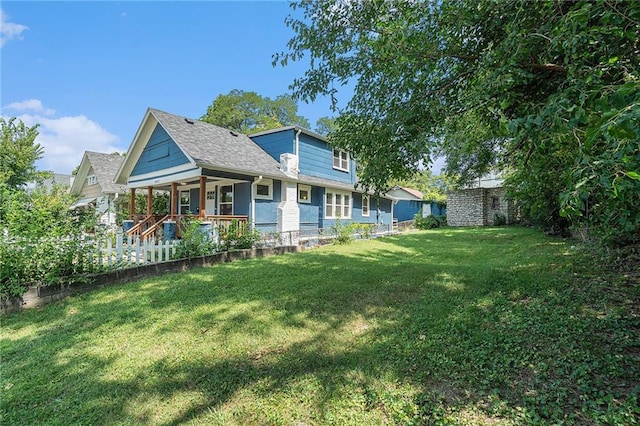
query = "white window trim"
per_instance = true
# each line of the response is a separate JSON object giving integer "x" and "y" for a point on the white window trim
{"x": 188, "y": 204}
{"x": 264, "y": 182}
{"x": 92, "y": 180}
{"x": 304, "y": 188}
{"x": 221, "y": 203}
{"x": 339, "y": 155}
{"x": 333, "y": 205}
{"x": 368, "y": 198}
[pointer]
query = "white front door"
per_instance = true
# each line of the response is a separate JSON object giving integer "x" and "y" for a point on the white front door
{"x": 210, "y": 202}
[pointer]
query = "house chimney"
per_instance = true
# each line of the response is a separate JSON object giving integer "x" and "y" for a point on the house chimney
{"x": 289, "y": 165}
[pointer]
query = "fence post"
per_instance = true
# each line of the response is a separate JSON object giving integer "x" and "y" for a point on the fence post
{"x": 109, "y": 252}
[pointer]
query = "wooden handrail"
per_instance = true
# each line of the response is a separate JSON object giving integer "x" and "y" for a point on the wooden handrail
{"x": 137, "y": 229}
{"x": 151, "y": 230}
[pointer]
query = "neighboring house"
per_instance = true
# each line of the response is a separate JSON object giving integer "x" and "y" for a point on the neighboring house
{"x": 481, "y": 203}
{"x": 287, "y": 179}
{"x": 94, "y": 185}
{"x": 56, "y": 179}
{"x": 410, "y": 201}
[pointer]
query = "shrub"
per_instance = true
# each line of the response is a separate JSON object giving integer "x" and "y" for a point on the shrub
{"x": 430, "y": 222}
{"x": 344, "y": 233}
{"x": 499, "y": 219}
{"x": 44, "y": 243}
{"x": 194, "y": 241}
{"x": 238, "y": 236}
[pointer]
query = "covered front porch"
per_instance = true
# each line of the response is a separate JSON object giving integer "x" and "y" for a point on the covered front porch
{"x": 218, "y": 200}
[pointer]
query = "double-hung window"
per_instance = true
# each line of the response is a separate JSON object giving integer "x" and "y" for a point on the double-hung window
{"x": 337, "y": 205}
{"x": 340, "y": 160}
{"x": 185, "y": 201}
{"x": 225, "y": 205}
{"x": 365, "y": 205}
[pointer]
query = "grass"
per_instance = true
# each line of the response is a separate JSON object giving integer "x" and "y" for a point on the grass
{"x": 474, "y": 326}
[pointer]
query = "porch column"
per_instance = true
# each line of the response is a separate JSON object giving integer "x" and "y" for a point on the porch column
{"x": 149, "y": 200}
{"x": 203, "y": 193}
{"x": 174, "y": 199}
{"x": 132, "y": 203}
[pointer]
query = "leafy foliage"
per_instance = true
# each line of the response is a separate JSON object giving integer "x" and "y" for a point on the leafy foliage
{"x": 433, "y": 187}
{"x": 194, "y": 242}
{"x": 160, "y": 204}
{"x": 42, "y": 241}
{"x": 429, "y": 222}
{"x": 18, "y": 154}
{"x": 547, "y": 91}
{"x": 237, "y": 236}
{"x": 248, "y": 112}
{"x": 325, "y": 125}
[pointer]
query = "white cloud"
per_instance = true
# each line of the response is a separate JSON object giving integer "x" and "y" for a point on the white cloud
{"x": 33, "y": 105}
{"x": 65, "y": 138}
{"x": 9, "y": 30}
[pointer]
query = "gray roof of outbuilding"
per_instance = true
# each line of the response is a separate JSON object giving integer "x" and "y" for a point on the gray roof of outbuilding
{"x": 214, "y": 147}
{"x": 105, "y": 167}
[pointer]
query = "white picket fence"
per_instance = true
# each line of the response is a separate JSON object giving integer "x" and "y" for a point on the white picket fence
{"x": 129, "y": 252}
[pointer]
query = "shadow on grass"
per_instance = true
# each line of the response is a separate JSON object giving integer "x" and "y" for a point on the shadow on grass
{"x": 482, "y": 324}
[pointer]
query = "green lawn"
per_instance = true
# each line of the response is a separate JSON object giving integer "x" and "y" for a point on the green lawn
{"x": 474, "y": 326}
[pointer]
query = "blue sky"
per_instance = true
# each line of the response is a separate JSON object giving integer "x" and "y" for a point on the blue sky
{"x": 87, "y": 71}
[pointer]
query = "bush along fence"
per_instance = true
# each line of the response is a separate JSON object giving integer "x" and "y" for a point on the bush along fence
{"x": 53, "y": 261}
{"x": 76, "y": 261}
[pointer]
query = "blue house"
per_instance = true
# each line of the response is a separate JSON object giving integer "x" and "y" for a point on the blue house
{"x": 409, "y": 201}
{"x": 287, "y": 179}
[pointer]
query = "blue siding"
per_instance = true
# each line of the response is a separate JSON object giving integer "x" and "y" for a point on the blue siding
{"x": 407, "y": 209}
{"x": 267, "y": 210}
{"x": 356, "y": 213}
{"x": 383, "y": 211}
{"x": 316, "y": 159}
{"x": 194, "y": 200}
{"x": 242, "y": 199}
{"x": 277, "y": 143}
{"x": 161, "y": 152}
{"x": 311, "y": 213}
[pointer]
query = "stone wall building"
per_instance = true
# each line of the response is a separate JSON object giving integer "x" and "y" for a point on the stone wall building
{"x": 479, "y": 207}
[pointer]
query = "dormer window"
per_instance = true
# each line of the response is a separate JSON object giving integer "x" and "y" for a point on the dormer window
{"x": 340, "y": 160}
{"x": 92, "y": 180}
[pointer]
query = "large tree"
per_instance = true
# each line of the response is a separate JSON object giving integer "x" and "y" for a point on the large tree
{"x": 19, "y": 153}
{"x": 548, "y": 91}
{"x": 248, "y": 112}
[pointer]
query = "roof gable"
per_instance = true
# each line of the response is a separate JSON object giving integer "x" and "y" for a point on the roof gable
{"x": 404, "y": 193}
{"x": 204, "y": 145}
{"x": 104, "y": 166}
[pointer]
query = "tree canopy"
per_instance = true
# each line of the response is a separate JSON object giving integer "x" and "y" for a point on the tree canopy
{"x": 19, "y": 153}
{"x": 248, "y": 112}
{"x": 546, "y": 91}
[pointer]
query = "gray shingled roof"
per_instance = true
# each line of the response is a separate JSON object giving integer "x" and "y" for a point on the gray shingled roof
{"x": 105, "y": 167}
{"x": 318, "y": 181}
{"x": 214, "y": 147}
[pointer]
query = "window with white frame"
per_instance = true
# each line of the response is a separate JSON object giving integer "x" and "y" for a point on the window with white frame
{"x": 185, "y": 201}
{"x": 365, "y": 205}
{"x": 304, "y": 193}
{"x": 225, "y": 206}
{"x": 264, "y": 190}
{"x": 92, "y": 180}
{"x": 340, "y": 160}
{"x": 337, "y": 205}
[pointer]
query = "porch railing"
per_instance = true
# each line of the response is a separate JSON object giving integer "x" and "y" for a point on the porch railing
{"x": 148, "y": 227}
